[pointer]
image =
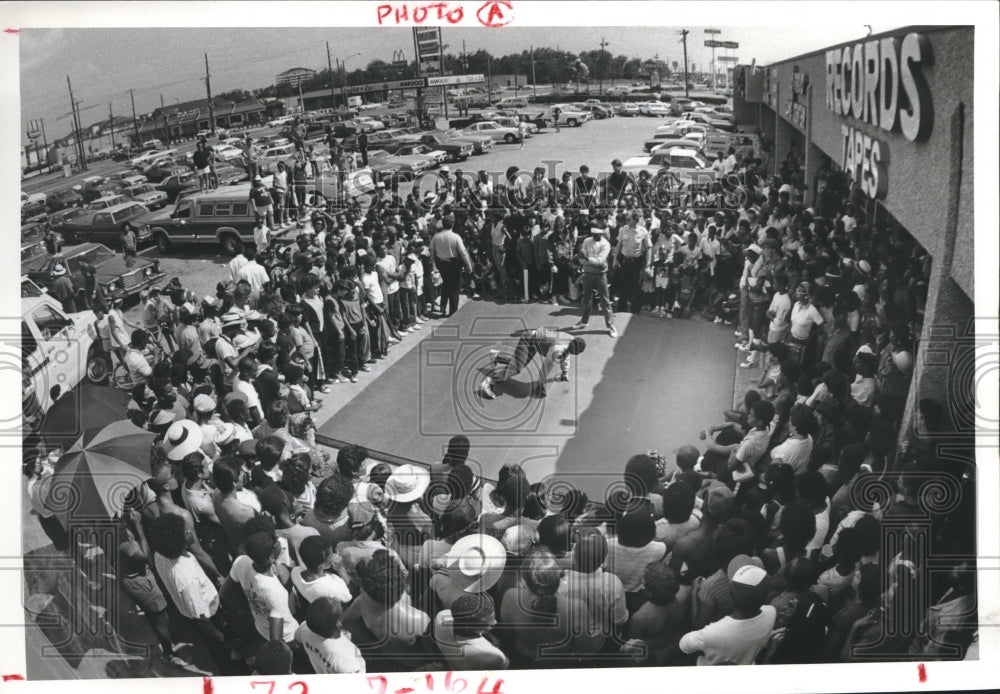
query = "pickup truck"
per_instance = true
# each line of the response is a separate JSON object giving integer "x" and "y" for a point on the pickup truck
{"x": 105, "y": 225}
{"x": 57, "y": 349}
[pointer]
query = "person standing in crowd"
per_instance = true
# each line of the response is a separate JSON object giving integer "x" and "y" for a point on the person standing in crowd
{"x": 202, "y": 159}
{"x": 593, "y": 257}
{"x": 363, "y": 146}
{"x": 250, "y": 157}
{"x": 449, "y": 256}
{"x": 633, "y": 254}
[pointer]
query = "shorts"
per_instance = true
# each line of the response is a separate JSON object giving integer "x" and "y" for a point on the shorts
{"x": 262, "y": 209}
{"x": 204, "y": 172}
{"x": 145, "y": 593}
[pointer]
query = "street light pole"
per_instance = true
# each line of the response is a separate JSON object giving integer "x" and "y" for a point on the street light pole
{"x": 600, "y": 75}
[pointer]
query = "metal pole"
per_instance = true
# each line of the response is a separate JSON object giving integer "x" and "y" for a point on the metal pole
{"x": 329, "y": 66}
{"x": 534, "y": 85}
{"x": 684, "y": 38}
{"x": 208, "y": 88}
{"x": 111, "y": 124}
{"x": 135, "y": 122}
{"x": 45, "y": 141}
{"x": 80, "y": 152}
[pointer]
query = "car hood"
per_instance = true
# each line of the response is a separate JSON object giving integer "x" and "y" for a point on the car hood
{"x": 113, "y": 267}
{"x": 157, "y": 217}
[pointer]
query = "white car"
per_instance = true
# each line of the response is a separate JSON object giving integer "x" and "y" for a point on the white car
{"x": 283, "y": 120}
{"x": 269, "y": 158}
{"x": 226, "y": 153}
{"x": 687, "y": 164}
{"x": 654, "y": 108}
{"x": 628, "y": 109}
{"x": 568, "y": 115}
{"x": 31, "y": 198}
{"x": 509, "y": 122}
{"x": 438, "y": 156}
{"x": 150, "y": 155}
{"x": 368, "y": 123}
{"x": 106, "y": 201}
{"x": 494, "y": 131}
{"x": 680, "y": 128}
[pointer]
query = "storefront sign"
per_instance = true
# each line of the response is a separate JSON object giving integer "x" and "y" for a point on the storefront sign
{"x": 795, "y": 113}
{"x": 881, "y": 82}
{"x": 865, "y": 159}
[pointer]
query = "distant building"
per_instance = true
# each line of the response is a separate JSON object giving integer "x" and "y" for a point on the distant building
{"x": 294, "y": 77}
{"x": 502, "y": 81}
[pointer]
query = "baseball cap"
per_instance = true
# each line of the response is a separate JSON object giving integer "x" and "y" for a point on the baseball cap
{"x": 747, "y": 580}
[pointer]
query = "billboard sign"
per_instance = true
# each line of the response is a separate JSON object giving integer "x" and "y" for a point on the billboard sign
{"x": 454, "y": 79}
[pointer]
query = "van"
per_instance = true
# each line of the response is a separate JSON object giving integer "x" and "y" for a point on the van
{"x": 223, "y": 217}
{"x": 354, "y": 102}
{"x": 152, "y": 144}
{"x": 513, "y": 102}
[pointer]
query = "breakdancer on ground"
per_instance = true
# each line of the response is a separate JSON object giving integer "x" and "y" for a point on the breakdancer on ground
{"x": 554, "y": 345}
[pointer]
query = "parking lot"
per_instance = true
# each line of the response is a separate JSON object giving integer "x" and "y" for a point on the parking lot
{"x": 594, "y": 143}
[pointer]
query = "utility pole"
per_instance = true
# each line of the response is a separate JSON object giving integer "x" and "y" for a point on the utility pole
{"x": 534, "y": 87}
{"x": 208, "y": 88}
{"x": 600, "y": 74}
{"x": 684, "y": 40}
{"x": 45, "y": 141}
{"x": 80, "y": 152}
{"x": 111, "y": 124}
{"x": 135, "y": 122}
{"x": 329, "y": 66}
{"x": 163, "y": 112}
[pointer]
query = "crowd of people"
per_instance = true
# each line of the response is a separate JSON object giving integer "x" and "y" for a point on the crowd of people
{"x": 764, "y": 545}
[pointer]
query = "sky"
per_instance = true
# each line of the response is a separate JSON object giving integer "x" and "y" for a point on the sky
{"x": 105, "y": 63}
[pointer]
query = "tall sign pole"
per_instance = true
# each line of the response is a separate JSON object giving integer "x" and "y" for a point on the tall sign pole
{"x": 208, "y": 88}
{"x": 713, "y": 32}
{"x": 684, "y": 40}
{"x": 135, "y": 121}
{"x": 329, "y": 67}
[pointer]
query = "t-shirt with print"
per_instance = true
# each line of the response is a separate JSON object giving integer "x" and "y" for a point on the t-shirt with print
{"x": 332, "y": 656}
{"x": 266, "y": 596}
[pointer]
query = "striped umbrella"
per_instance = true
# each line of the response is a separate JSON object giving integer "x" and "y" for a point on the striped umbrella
{"x": 93, "y": 477}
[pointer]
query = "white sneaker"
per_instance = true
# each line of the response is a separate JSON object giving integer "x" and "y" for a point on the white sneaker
{"x": 487, "y": 390}
{"x": 613, "y": 331}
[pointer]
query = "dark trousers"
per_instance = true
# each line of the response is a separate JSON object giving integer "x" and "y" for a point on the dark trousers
{"x": 451, "y": 284}
{"x": 629, "y": 278}
{"x": 505, "y": 368}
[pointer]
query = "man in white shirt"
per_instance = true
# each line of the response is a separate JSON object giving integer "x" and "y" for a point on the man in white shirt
{"x": 594, "y": 260}
{"x": 135, "y": 359}
{"x": 328, "y": 646}
{"x": 459, "y": 634}
{"x": 253, "y": 272}
{"x": 739, "y": 637}
{"x": 266, "y": 596}
{"x": 237, "y": 263}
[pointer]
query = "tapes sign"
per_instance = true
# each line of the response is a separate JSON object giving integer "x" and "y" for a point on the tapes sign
{"x": 722, "y": 44}
{"x": 385, "y": 86}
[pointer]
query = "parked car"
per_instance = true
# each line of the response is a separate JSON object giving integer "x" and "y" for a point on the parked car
{"x": 510, "y": 122}
{"x": 106, "y": 201}
{"x": 225, "y": 153}
{"x": 695, "y": 140}
{"x": 687, "y": 164}
{"x": 32, "y": 232}
{"x": 223, "y": 216}
{"x": 598, "y": 110}
{"x": 627, "y": 109}
{"x": 568, "y": 115}
{"x": 33, "y": 207}
{"x": 654, "y": 108}
{"x": 126, "y": 178}
{"x": 29, "y": 289}
{"x": 114, "y": 276}
{"x": 63, "y": 198}
{"x": 494, "y": 131}
{"x": 150, "y": 154}
{"x": 157, "y": 174}
{"x": 368, "y": 123}
{"x": 173, "y": 185}
{"x": 436, "y": 156}
{"x": 227, "y": 175}
{"x": 57, "y": 219}
{"x": 705, "y": 119}
{"x": 456, "y": 148}
{"x": 145, "y": 193}
{"x": 679, "y": 105}
{"x": 57, "y": 348}
{"x": 405, "y": 167}
{"x": 104, "y": 226}
{"x": 98, "y": 187}
{"x": 283, "y": 120}
{"x": 269, "y": 158}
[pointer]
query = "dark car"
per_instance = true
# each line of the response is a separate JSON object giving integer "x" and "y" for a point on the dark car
{"x": 32, "y": 232}
{"x": 457, "y": 149}
{"x": 63, "y": 198}
{"x": 106, "y": 225}
{"x": 177, "y": 183}
{"x": 156, "y": 174}
{"x": 99, "y": 189}
{"x": 114, "y": 276}
{"x": 58, "y": 219}
{"x": 229, "y": 175}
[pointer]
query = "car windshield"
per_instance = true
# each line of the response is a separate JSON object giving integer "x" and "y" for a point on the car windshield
{"x": 93, "y": 256}
{"x": 33, "y": 251}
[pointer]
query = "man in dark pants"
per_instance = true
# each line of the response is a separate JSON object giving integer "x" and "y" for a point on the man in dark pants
{"x": 552, "y": 344}
{"x": 448, "y": 253}
{"x": 632, "y": 256}
{"x": 594, "y": 261}
{"x": 363, "y": 147}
